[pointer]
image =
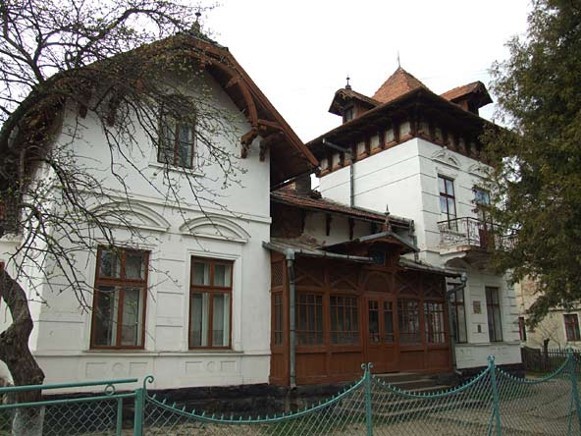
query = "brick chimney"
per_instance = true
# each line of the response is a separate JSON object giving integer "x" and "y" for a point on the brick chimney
{"x": 303, "y": 185}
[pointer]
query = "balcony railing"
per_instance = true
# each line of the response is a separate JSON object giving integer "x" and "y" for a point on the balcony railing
{"x": 472, "y": 232}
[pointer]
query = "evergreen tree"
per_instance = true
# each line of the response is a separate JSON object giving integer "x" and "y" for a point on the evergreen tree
{"x": 538, "y": 168}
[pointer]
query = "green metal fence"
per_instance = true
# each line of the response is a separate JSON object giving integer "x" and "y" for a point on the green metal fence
{"x": 492, "y": 403}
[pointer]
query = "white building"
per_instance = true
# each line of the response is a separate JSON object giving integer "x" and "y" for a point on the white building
{"x": 419, "y": 154}
{"x": 184, "y": 293}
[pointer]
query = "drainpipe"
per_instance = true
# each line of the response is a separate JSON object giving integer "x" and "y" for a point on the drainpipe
{"x": 349, "y": 152}
{"x": 460, "y": 286}
{"x": 290, "y": 264}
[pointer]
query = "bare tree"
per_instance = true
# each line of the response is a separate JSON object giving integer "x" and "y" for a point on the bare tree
{"x": 109, "y": 61}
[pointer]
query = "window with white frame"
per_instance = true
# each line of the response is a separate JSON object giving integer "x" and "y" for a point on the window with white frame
{"x": 210, "y": 303}
{"x": 118, "y": 319}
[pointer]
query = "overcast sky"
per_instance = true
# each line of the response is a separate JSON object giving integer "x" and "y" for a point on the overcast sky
{"x": 299, "y": 52}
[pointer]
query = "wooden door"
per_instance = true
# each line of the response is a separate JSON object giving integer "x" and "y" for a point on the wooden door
{"x": 381, "y": 339}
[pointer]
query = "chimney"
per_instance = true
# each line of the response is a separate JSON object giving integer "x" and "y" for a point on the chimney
{"x": 303, "y": 185}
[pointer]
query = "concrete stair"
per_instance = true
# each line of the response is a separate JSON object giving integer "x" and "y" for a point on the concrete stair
{"x": 418, "y": 382}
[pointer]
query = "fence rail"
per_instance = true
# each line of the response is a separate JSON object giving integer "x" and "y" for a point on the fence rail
{"x": 492, "y": 403}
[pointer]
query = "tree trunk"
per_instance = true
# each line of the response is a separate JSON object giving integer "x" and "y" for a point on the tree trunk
{"x": 15, "y": 353}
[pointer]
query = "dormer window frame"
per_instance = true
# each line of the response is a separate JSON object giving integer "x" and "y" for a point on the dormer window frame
{"x": 348, "y": 113}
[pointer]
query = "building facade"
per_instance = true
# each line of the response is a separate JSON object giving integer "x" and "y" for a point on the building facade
{"x": 418, "y": 155}
{"x": 181, "y": 289}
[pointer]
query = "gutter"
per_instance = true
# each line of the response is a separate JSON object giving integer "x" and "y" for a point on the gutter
{"x": 290, "y": 264}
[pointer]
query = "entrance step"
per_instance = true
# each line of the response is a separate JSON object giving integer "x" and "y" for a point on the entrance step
{"x": 412, "y": 381}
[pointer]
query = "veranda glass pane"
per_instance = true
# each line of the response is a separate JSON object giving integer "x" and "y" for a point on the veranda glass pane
{"x": 200, "y": 273}
{"x": 388, "y": 335}
{"x": 221, "y": 321}
{"x": 222, "y": 275}
{"x": 106, "y": 316}
{"x": 132, "y": 317}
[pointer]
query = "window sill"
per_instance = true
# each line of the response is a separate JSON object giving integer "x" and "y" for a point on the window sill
{"x": 147, "y": 353}
{"x": 160, "y": 168}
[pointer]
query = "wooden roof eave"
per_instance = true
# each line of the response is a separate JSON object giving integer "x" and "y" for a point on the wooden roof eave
{"x": 398, "y": 108}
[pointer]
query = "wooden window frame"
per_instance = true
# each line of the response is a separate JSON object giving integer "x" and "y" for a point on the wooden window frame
{"x": 211, "y": 290}
{"x": 435, "y": 327}
{"x": 120, "y": 284}
{"x": 173, "y": 124}
{"x": 571, "y": 320}
{"x": 403, "y": 312}
{"x": 315, "y": 327}
{"x": 494, "y": 313}
{"x": 277, "y": 319}
{"x": 345, "y": 309}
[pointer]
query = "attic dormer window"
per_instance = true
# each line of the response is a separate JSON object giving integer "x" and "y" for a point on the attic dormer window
{"x": 177, "y": 135}
{"x": 176, "y": 143}
{"x": 348, "y": 114}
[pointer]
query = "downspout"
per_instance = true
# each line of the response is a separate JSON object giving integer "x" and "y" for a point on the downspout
{"x": 351, "y": 181}
{"x": 460, "y": 286}
{"x": 348, "y": 151}
{"x": 290, "y": 264}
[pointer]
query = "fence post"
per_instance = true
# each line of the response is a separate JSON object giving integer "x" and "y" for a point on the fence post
{"x": 139, "y": 411}
{"x": 495, "y": 396}
{"x": 119, "y": 424}
{"x": 368, "y": 409}
{"x": 575, "y": 391}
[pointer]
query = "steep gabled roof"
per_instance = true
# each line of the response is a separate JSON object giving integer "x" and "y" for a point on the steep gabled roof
{"x": 399, "y": 83}
{"x": 345, "y": 95}
{"x": 464, "y": 90}
{"x": 471, "y": 96}
{"x": 289, "y": 157}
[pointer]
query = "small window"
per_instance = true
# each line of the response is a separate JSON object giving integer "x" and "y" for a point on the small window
{"x": 522, "y": 331}
{"x": 348, "y": 114}
{"x": 210, "y": 303}
{"x": 408, "y": 311}
{"x": 344, "y": 320}
{"x": 277, "y": 319}
{"x": 176, "y": 144}
{"x": 458, "y": 314}
{"x": 177, "y": 134}
{"x": 309, "y": 319}
{"x": 435, "y": 329}
{"x": 447, "y": 200}
{"x": 572, "y": 327}
{"x": 494, "y": 320}
{"x": 119, "y": 298}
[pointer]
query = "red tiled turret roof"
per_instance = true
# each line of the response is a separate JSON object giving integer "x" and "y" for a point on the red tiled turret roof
{"x": 399, "y": 83}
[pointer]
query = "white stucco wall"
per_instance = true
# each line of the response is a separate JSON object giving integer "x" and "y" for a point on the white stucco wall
{"x": 231, "y": 226}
